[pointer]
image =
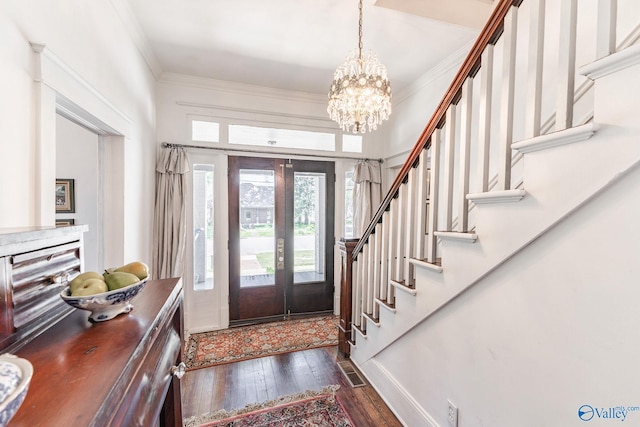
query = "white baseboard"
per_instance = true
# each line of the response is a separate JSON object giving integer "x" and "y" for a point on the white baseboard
{"x": 402, "y": 404}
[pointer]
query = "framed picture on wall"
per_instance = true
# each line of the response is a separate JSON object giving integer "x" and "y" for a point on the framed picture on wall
{"x": 64, "y": 222}
{"x": 65, "y": 197}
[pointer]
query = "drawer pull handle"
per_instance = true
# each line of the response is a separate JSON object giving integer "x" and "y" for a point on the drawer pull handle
{"x": 60, "y": 278}
{"x": 179, "y": 370}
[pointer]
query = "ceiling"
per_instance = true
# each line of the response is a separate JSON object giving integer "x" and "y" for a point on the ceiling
{"x": 297, "y": 44}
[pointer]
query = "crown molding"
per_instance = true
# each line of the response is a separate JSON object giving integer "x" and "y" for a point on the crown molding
{"x": 131, "y": 24}
{"x": 240, "y": 88}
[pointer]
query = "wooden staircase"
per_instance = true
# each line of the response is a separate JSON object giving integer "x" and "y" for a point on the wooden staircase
{"x": 489, "y": 177}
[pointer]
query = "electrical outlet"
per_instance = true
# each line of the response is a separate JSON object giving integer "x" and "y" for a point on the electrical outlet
{"x": 452, "y": 414}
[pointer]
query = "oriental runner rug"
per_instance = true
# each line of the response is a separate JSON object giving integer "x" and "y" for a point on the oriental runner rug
{"x": 248, "y": 342}
{"x": 321, "y": 409}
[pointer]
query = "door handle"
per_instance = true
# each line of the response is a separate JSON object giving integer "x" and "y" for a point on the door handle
{"x": 280, "y": 254}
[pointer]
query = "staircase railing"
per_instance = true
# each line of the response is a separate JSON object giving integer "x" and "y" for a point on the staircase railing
{"x": 433, "y": 185}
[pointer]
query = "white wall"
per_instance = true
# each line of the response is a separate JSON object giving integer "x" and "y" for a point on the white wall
{"x": 77, "y": 159}
{"x": 92, "y": 61}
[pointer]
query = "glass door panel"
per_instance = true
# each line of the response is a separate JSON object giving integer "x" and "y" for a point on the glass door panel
{"x": 257, "y": 233}
{"x": 309, "y": 220}
{"x": 309, "y": 227}
{"x": 203, "y": 230}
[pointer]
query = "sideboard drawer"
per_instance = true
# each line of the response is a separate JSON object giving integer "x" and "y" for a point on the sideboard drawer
{"x": 31, "y": 279}
{"x": 150, "y": 385}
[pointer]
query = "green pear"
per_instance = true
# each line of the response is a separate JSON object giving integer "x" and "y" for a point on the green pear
{"x": 82, "y": 277}
{"x": 91, "y": 286}
{"x": 138, "y": 268}
{"x": 119, "y": 279}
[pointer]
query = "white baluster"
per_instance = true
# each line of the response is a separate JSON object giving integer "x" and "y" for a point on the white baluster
{"x": 384, "y": 256}
{"x": 484, "y": 117}
{"x": 606, "y": 33}
{"x": 506, "y": 105}
{"x": 372, "y": 273}
{"x": 410, "y": 225}
{"x": 465, "y": 146}
{"x": 421, "y": 206}
{"x": 393, "y": 240}
{"x": 377, "y": 269}
{"x": 534, "y": 72}
{"x": 566, "y": 64}
{"x": 434, "y": 191}
{"x": 449, "y": 167}
{"x": 400, "y": 235}
{"x": 355, "y": 290}
{"x": 366, "y": 282}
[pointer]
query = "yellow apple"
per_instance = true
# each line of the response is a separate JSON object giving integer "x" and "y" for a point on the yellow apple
{"x": 91, "y": 286}
{"x": 82, "y": 277}
{"x": 138, "y": 268}
{"x": 119, "y": 279}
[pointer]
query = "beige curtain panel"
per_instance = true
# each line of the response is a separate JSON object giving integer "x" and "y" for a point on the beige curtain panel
{"x": 170, "y": 228}
{"x": 367, "y": 194}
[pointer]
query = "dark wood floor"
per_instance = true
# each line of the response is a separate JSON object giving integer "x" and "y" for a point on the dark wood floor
{"x": 235, "y": 385}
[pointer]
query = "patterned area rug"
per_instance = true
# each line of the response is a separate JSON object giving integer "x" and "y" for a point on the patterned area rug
{"x": 320, "y": 409}
{"x": 248, "y": 342}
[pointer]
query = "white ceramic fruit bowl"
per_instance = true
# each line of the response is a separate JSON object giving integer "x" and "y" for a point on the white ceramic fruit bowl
{"x": 15, "y": 376}
{"x": 106, "y": 305}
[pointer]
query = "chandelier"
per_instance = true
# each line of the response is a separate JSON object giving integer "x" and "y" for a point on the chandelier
{"x": 360, "y": 95}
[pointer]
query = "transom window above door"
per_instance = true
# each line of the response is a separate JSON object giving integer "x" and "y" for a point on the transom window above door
{"x": 223, "y": 132}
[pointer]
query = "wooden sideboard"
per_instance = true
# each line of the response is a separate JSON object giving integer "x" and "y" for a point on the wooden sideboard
{"x": 114, "y": 373}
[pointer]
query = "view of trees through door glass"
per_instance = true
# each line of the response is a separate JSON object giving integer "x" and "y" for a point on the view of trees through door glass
{"x": 309, "y": 227}
{"x": 257, "y": 232}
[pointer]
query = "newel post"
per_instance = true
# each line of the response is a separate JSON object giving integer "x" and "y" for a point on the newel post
{"x": 346, "y": 247}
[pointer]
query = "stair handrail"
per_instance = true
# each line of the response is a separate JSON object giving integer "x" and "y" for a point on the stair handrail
{"x": 489, "y": 35}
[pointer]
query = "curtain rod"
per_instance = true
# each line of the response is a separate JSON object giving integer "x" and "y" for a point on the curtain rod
{"x": 281, "y": 153}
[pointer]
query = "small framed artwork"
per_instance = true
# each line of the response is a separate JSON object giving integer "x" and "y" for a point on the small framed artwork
{"x": 65, "y": 197}
{"x": 64, "y": 222}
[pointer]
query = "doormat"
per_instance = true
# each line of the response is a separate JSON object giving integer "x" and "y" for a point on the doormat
{"x": 322, "y": 409}
{"x": 248, "y": 342}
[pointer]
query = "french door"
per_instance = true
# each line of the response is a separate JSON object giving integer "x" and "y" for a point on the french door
{"x": 281, "y": 236}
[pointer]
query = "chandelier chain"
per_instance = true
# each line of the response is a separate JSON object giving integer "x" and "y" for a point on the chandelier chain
{"x": 360, "y": 32}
